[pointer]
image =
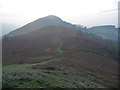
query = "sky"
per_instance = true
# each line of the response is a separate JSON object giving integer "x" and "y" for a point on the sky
{"x": 84, "y": 12}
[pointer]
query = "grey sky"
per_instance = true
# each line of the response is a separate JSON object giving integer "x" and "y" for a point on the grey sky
{"x": 85, "y": 12}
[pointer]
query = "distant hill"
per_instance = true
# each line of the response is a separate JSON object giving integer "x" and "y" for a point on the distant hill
{"x": 6, "y": 28}
{"x": 106, "y": 32}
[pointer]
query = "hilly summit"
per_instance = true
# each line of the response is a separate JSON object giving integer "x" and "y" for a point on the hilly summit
{"x": 50, "y": 52}
{"x": 39, "y": 24}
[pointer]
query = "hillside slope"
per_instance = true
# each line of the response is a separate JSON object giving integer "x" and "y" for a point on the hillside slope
{"x": 79, "y": 52}
{"x": 107, "y": 32}
{"x": 44, "y": 52}
{"x": 46, "y": 41}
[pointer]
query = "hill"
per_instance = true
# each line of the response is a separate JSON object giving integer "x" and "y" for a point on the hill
{"x": 107, "y": 32}
{"x": 71, "y": 49}
{"x": 48, "y": 54}
{"x": 6, "y": 28}
{"x": 39, "y": 24}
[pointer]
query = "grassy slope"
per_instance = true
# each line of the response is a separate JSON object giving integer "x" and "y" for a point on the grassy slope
{"x": 24, "y": 76}
{"x": 22, "y": 67}
{"x": 59, "y": 49}
{"x": 104, "y": 33}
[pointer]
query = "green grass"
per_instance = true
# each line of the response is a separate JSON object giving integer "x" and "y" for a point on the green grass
{"x": 24, "y": 76}
{"x": 59, "y": 49}
{"x": 21, "y": 67}
{"x": 36, "y": 78}
{"x": 16, "y": 67}
{"x": 46, "y": 62}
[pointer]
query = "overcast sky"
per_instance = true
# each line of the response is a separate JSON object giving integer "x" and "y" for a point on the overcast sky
{"x": 84, "y": 12}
